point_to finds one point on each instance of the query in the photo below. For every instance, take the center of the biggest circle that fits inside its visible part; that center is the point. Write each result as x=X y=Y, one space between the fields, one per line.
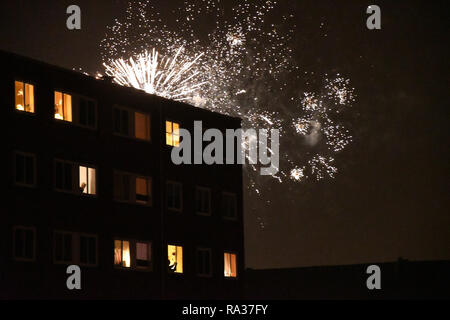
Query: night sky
x=390 y=198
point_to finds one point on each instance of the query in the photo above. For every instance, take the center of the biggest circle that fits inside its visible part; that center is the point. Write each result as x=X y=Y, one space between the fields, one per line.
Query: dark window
x=25 y=169
x=63 y=247
x=174 y=196
x=87 y=113
x=229 y=205
x=203 y=201
x=121 y=122
x=64 y=173
x=204 y=262
x=88 y=250
x=24 y=243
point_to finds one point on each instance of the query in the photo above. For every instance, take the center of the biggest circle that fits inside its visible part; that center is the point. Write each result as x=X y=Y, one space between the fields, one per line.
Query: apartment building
x=88 y=180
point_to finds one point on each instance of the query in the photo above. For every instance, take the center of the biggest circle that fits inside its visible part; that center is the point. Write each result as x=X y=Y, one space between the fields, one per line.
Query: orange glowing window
x=122 y=253
x=175 y=258
x=142 y=126
x=143 y=190
x=230 y=270
x=63 y=106
x=172 y=133
x=24 y=96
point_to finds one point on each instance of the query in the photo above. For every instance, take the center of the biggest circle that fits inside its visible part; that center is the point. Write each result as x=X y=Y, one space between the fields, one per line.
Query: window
x=87 y=180
x=132 y=124
x=24 y=243
x=122 y=253
x=204 y=262
x=133 y=254
x=88 y=250
x=174 y=196
x=132 y=188
x=25 y=169
x=143 y=254
x=230 y=270
x=229 y=206
x=24 y=96
x=73 y=247
x=172 y=133
x=63 y=247
x=75 y=108
x=87 y=112
x=63 y=106
x=175 y=258
x=141 y=126
x=74 y=178
x=203 y=201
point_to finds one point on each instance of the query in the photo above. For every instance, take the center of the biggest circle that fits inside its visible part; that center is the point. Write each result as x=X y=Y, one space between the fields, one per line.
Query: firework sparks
x=234 y=69
x=169 y=77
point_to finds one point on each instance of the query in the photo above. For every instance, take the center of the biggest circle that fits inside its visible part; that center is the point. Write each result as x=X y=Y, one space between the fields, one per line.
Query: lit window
x=87 y=180
x=122 y=253
x=229 y=206
x=174 y=196
x=63 y=106
x=143 y=254
x=132 y=124
x=88 y=250
x=141 y=126
x=175 y=258
x=24 y=94
x=24 y=169
x=230 y=270
x=172 y=133
x=63 y=246
x=143 y=190
x=203 y=201
x=132 y=188
x=204 y=262
x=74 y=178
x=24 y=244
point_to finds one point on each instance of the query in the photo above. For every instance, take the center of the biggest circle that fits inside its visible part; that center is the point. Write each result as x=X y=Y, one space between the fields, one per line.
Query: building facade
x=89 y=181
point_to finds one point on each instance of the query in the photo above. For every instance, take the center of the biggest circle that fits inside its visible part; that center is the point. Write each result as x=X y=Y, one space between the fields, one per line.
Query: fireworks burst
x=241 y=67
x=168 y=77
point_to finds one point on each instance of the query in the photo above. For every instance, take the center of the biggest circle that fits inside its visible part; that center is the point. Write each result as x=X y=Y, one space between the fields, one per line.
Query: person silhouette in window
x=173 y=263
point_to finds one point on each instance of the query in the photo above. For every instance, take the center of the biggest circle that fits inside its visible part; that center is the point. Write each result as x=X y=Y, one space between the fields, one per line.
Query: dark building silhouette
x=88 y=180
